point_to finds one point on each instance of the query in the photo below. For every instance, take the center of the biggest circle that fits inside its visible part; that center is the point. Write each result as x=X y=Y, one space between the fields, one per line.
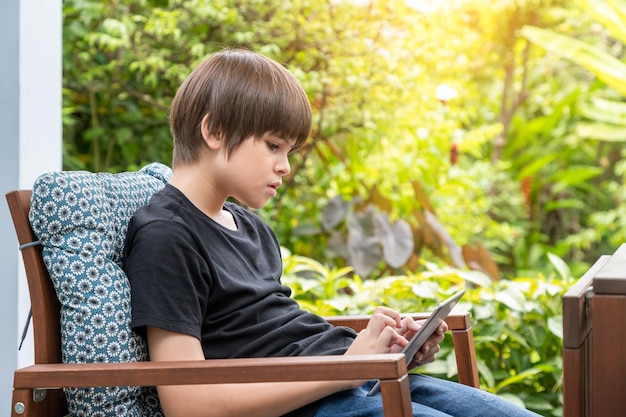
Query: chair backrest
x=45 y=306
x=71 y=228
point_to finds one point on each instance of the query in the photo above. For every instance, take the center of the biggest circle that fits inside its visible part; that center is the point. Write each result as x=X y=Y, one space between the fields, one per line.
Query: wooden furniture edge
x=213 y=371
x=575 y=325
x=455 y=321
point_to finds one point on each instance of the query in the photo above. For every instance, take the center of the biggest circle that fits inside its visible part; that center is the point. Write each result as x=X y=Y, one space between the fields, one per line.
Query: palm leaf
x=610 y=13
x=606 y=67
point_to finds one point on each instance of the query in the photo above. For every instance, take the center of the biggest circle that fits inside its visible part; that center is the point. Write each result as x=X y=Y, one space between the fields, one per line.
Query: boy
x=205 y=273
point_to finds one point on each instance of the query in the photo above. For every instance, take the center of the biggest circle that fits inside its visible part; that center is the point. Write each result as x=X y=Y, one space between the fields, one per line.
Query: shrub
x=517 y=322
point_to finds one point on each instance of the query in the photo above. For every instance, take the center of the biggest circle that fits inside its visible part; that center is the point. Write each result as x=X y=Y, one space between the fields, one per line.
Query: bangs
x=288 y=116
x=243 y=94
x=260 y=96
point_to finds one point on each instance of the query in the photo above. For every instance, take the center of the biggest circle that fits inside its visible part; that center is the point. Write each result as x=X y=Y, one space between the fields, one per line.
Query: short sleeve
x=169 y=280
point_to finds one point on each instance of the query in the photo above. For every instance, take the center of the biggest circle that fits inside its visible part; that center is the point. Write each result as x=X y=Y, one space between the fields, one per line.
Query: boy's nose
x=283 y=168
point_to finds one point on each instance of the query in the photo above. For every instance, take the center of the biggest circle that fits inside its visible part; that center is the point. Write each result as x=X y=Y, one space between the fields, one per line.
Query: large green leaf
x=606 y=67
x=602 y=110
x=610 y=13
x=601 y=131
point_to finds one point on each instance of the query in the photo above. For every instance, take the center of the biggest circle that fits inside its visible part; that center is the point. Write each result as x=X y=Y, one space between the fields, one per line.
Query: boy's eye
x=272 y=146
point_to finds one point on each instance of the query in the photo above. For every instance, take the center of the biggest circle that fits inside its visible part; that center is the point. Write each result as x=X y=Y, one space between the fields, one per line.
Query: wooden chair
x=594 y=340
x=37 y=389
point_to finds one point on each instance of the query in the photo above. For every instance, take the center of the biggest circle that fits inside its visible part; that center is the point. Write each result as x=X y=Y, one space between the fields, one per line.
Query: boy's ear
x=212 y=140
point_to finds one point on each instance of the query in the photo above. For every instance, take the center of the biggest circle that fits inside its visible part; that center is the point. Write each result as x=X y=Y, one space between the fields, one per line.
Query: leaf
x=364 y=254
x=537 y=165
x=363 y=249
x=555 y=325
x=574 y=176
x=337 y=245
x=619 y=7
x=511 y=298
x=478 y=258
x=334 y=212
x=486 y=373
x=567 y=203
x=425 y=290
x=527 y=374
x=606 y=67
x=421 y=196
x=306 y=230
x=476 y=278
x=512 y=398
x=601 y=131
x=438 y=367
x=396 y=240
x=610 y=13
x=377 y=199
x=452 y=366
x=561 y=267
x=453 y=248
x=425 y=235
x=602 y=110
x=516 y=336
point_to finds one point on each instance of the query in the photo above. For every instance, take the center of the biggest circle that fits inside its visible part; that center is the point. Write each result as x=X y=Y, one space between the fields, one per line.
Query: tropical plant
x=609 y=116
x=600 y=125
x=374 y=72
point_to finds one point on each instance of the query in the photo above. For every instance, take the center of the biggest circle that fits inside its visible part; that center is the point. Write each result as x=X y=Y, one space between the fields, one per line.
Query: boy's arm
x=258 y=399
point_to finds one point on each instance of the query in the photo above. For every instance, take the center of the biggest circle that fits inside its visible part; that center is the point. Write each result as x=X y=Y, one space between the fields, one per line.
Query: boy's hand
x=428 y=351
x=388 y=332
x=383 y=334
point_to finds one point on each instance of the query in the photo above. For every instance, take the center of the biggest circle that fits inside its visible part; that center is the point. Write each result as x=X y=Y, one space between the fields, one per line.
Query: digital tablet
x=427 y=329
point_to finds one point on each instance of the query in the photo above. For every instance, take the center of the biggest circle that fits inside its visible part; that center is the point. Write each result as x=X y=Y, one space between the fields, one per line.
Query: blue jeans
x=431 y=397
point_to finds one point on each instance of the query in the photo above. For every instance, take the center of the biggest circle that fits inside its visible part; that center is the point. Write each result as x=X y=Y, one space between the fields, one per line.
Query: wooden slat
x=300 y=368
x=465 y=354
x=608 y=352
x=44 y=303
x=396 y=399
x=576 y=324
x=611 y=279
x=455 y=321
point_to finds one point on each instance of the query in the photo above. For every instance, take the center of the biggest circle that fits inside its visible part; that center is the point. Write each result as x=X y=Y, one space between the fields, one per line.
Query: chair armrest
x=455 y=321
x=215 y=371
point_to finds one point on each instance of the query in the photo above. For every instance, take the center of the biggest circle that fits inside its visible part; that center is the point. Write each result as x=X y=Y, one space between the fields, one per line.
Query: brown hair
x=244 y=94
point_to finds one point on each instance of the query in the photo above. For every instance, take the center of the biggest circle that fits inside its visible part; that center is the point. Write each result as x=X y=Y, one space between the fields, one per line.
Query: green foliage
x=590 y=134
x=517 y=323
x=372 y=72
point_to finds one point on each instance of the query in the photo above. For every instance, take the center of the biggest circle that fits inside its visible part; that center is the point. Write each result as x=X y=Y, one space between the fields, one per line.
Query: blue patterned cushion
x=81 y=219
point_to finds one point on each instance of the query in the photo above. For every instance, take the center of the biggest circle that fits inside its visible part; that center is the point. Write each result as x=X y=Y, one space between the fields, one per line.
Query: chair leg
x=24 y=404
x=466 y=357
x=396 y=397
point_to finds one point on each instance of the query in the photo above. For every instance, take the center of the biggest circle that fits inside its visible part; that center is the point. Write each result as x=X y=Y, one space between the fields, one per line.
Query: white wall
x=30 y=135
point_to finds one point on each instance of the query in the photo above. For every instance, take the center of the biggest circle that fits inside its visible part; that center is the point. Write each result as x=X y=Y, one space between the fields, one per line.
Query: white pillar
x=30 y=135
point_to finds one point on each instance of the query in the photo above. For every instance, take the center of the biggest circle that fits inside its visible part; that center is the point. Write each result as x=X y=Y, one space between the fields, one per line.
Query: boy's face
x=254 y=170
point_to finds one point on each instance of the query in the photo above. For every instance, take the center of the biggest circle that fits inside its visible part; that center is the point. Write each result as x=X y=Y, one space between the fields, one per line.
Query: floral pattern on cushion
x=81 y=219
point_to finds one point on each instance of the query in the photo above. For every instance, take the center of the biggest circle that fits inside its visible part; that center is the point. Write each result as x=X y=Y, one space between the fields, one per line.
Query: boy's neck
x=201 y=191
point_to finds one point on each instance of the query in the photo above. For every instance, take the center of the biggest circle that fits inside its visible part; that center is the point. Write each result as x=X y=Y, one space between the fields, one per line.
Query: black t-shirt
x=189 y=274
